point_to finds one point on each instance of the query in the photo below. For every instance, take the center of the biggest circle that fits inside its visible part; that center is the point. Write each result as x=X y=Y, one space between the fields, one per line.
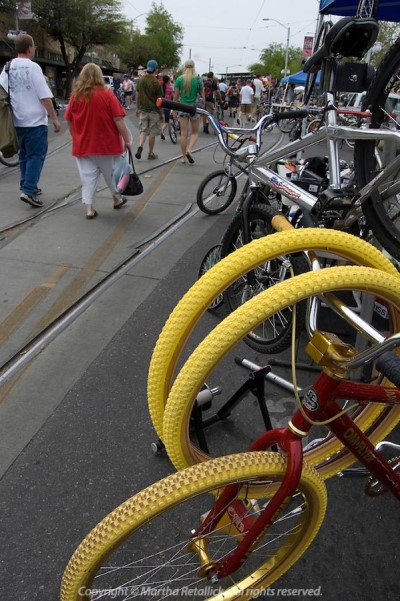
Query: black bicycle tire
x=10 y=162
x=173 y=134
x=379 y=221
x=314 y=125
x=229 y=200
x=286 y=125
x=228 y=244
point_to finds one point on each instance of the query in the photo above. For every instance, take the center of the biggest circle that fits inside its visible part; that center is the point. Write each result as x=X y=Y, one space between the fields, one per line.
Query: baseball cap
x=152 y=65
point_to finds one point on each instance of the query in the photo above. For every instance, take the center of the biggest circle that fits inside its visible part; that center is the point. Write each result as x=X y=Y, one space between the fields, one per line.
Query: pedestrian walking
x=168 y=94
x=258 y=92
x=211 y=95
x=186 y=88
x=246 y=102
x=233 y=93
x=127 y=91
x=96 y=122
x=148 y=89
x=31 y=101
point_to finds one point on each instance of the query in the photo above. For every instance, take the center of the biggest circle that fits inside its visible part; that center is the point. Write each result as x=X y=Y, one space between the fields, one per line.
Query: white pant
x=90 y=168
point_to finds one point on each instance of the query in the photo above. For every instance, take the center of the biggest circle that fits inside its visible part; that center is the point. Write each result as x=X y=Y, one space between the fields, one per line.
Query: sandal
x=121 y=204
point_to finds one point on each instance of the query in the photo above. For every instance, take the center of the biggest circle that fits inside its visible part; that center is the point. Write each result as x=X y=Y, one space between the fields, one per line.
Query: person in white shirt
x=127 y=90
x=246 y=103
x=31 y=101
x=258 y=92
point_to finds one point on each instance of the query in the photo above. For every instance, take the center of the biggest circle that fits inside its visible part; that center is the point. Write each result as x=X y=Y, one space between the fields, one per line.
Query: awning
x=299 y=78
x=388 y=10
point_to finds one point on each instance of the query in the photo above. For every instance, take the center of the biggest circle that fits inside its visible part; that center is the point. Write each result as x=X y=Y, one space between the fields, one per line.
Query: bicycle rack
x=254 y=384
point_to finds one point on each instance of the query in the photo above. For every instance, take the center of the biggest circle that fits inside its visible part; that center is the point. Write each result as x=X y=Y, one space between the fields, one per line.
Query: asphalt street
x=75 y=433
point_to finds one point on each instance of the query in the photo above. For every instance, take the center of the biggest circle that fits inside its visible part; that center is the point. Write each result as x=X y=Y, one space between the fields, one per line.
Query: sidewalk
x=61 y=255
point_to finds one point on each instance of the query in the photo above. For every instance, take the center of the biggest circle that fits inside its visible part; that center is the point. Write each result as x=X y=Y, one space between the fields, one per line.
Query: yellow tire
x=193 y=305
x=328 y=457
x=124 y=553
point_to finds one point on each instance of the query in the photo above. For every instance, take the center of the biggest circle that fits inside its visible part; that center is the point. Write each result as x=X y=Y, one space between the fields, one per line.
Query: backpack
x=208 y=92
x=234 y=92
x=8 y=136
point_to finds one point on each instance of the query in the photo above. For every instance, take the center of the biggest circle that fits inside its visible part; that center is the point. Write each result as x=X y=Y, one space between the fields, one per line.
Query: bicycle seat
x=348 y=37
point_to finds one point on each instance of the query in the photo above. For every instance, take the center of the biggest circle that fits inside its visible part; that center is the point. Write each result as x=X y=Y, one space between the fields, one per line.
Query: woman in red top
x=99 y=134
x=168 y=94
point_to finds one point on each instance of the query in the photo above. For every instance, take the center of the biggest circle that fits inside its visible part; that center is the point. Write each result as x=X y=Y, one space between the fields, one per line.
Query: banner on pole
x=308 y=45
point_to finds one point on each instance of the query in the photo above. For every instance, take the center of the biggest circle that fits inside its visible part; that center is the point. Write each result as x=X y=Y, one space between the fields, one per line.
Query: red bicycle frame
x=319 y=404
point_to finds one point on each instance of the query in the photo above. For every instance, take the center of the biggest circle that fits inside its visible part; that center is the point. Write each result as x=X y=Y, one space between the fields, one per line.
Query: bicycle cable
x=294 y=378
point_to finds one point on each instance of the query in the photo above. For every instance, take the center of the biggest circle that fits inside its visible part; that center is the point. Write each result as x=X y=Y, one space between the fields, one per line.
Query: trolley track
x=74 y=298
x=78 y=295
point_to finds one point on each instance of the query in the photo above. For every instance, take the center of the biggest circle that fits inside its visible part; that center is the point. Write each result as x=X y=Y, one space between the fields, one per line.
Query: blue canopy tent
x=299 y=78
x=388 y=10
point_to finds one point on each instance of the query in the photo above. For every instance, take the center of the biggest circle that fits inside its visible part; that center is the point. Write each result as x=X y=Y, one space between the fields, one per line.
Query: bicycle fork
x=248 y=521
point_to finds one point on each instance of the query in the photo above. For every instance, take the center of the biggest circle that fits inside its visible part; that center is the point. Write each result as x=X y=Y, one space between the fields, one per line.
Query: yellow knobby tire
x=130 y=525
x=232 y=329
x=193 y=305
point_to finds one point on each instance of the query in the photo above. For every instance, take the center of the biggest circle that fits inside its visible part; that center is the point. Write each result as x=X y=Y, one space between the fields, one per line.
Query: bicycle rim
x=124 y=553
x=226 y=334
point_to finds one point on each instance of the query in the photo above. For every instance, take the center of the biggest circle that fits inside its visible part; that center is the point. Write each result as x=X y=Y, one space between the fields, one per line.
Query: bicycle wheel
x=274 y=335
x=216 y=192
x=143 y=547
x=286 y=125
x=193 y=305
x=172 y=131
x=382 y=208
x=329 y=455
x=10 y=162
x=314 y=125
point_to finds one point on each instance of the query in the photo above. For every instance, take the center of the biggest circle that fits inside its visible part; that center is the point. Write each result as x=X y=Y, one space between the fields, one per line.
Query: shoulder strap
x=7 y=70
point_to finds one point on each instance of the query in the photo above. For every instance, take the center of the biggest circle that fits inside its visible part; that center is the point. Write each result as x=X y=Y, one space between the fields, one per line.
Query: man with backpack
x=211 y=94
x=233 y=93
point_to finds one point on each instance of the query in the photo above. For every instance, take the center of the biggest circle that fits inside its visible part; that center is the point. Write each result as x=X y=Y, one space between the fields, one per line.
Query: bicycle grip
x=295 y=114
x=176 y=106
x=389 y=365
x=280 y=223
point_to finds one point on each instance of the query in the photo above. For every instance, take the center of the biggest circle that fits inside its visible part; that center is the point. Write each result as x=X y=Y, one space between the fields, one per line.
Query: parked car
x=356 y=101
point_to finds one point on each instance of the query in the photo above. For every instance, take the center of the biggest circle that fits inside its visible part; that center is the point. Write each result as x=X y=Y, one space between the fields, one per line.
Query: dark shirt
x=148 y=89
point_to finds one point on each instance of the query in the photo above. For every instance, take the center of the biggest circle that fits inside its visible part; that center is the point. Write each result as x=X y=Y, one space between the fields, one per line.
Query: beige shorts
x=245 y=109
x=210 y=107
x=150 y=123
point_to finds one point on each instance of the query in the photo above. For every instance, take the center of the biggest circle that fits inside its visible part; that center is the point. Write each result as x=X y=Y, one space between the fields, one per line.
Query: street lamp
x=287 y=42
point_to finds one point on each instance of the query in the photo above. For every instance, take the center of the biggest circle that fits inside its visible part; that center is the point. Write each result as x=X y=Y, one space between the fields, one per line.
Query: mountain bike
x=229 y=527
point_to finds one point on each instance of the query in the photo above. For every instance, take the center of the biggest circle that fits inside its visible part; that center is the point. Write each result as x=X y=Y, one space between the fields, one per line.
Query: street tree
x=79 y=25
x=136 y=49
x=272 y=60
x=166 y=34
x=388 y=34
